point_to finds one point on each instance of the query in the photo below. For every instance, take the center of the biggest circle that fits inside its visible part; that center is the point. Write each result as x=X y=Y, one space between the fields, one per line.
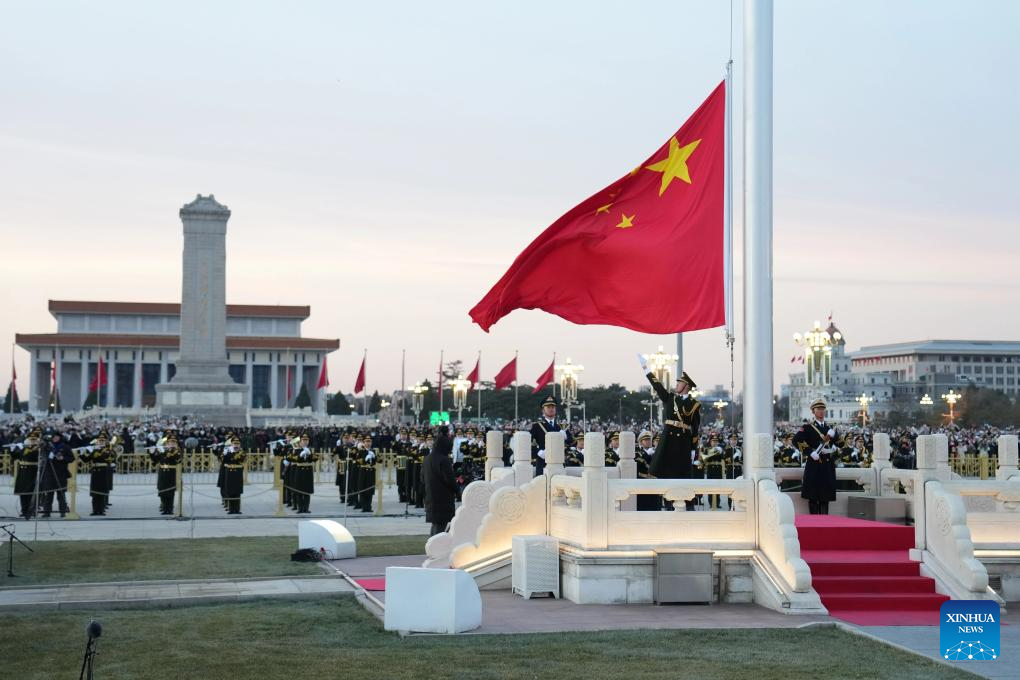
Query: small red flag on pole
x=359 y=383
x=473 y=375
x=546 y=378
x=323 y=377
x=507 y=375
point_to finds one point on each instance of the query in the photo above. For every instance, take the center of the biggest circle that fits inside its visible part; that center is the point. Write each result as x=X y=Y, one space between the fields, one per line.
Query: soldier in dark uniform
x=613 y=450
x=547 y=423
x=401 y=448
x=100 y=456
x=817 y=444
x=342 y=455
x=367 y=459
x=574 y=455
x=643 y=461
x=682 y=420
x=304 y=474
x=734 y=457
x=166 y=456
x=55 y=475
x=234 y=459
x=712 y=461
x=26 y=455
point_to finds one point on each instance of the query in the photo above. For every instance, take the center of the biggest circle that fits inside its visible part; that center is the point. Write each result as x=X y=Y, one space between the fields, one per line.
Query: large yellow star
x=675 y=164
x=626 y=222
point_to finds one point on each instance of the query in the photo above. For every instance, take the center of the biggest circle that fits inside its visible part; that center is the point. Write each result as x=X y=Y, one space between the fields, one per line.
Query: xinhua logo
x=969 y=630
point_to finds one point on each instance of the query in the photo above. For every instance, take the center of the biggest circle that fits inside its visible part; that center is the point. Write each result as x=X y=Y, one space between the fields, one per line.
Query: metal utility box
x=683 y=576
x=890 y=509
x=535 y=565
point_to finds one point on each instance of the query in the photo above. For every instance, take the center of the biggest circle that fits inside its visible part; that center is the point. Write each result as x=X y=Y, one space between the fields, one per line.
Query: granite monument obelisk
x=202 y=386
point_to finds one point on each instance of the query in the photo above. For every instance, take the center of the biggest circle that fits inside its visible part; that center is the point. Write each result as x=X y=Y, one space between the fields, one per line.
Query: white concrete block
x=422 y=600
x=325 y=533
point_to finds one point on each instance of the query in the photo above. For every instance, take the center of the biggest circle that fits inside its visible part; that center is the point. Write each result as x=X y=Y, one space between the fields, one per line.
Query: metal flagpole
x=515 y=388
x=758 y=20
x=440 y=381
x=403 y=385
x=364 y=388
x=478 y=388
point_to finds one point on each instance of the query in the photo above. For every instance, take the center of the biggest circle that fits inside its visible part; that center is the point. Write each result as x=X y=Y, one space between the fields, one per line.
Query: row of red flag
x=506 y=376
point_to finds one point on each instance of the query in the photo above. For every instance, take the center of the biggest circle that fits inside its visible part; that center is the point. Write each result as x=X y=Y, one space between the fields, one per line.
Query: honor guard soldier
x=712 y=461
x=26 y=456
x=367 y=476
x=817 y=443
x=234 y=459
x=402 y=447
x=166 y=456
x=642 y=459
x=734 y=457
x=682 y=420
x=574 y=455
x=100 y=456
x=547 y=423
x=613 y=450
x=419 y=483
x=343 y=453
x=304 y=474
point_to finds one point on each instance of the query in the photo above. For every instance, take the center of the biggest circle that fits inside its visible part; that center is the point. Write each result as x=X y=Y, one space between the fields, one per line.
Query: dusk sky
x=385 y=163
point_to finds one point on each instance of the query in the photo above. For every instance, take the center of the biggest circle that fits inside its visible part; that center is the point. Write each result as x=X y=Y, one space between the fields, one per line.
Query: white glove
x=815 y=457
x=286 y=463
x=831 y=433
x=644 y=364
x=52 y=456
x=305 y=453
x=541 y=454
x=370 y=458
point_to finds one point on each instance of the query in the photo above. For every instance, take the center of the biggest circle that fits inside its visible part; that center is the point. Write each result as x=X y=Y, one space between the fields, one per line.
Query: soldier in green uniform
x=712 y=461
x=643 y=459
x=613 y=450
x=574 y=455
x=166 y=456
x=304 y=474
x=682 y=418
x=100 y=456
x=234 y=459
x=367 y=459
x=26 y=458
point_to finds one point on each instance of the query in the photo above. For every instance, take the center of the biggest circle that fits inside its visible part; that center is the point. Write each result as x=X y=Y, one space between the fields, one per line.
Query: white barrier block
x=420 y=600
x=325 y=533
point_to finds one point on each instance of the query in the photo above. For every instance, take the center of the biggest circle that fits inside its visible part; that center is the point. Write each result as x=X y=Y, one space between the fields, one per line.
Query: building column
x=111 y=381
x=163 y=370
x=32 y=385
x=83 y=388
x=274 y=378
x=300 y=371
x=59 y=373
x=248 y=375
x=136 y=390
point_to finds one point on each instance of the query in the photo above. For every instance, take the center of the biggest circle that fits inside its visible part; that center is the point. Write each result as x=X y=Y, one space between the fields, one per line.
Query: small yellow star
x=603 y=209
x=626 y=222
x=675 y=164
x=635 y=171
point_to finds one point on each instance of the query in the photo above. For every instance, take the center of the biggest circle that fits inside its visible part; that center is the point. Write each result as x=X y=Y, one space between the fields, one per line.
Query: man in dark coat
x=440 y=484
x=55 y=475
x=817 y=444
x=547 y=423
x=682 y=420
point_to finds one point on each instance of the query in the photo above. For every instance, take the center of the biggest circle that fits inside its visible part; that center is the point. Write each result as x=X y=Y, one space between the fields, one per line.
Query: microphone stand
x=86 y=662
x=11 y=538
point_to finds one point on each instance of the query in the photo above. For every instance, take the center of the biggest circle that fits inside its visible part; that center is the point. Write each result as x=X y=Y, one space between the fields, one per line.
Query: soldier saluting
x=682 y=420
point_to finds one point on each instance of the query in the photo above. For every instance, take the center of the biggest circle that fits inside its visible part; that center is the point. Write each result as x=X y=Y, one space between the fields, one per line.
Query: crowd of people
x=44 y=448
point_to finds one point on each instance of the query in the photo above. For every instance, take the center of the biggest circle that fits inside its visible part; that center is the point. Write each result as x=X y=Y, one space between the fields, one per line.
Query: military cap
x=818 y=403
x=686 y=379
x=645 y=434
x=549 y=401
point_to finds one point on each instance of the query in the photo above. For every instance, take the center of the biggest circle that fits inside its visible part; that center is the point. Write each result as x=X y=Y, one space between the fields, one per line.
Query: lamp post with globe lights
x=569 y=373
x=417 y=400
x=951 y=398
x=719 y=405
x=864 y=400
x=660 y=364
x=817 y=344
x=460 y=388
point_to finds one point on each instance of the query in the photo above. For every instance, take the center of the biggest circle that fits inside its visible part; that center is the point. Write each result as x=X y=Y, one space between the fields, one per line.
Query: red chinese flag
x=545 y=378
x=100 y=377
x=323 y=377
x=473 y=375
x=359 y=384
x=507 y=375
x=645 y=253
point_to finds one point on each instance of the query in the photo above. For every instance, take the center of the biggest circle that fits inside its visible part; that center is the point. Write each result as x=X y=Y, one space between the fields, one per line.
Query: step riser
x=883 y=603
x=852 y=569
x=879 y=586
x=872 y=539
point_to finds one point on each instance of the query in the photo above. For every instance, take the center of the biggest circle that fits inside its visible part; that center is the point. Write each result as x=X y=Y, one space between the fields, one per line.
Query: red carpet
x=863 y=572
x=373 y=584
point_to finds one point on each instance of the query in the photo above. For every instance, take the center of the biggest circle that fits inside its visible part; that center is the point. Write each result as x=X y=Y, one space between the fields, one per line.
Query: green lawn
x=166 y=559
x=335 y=638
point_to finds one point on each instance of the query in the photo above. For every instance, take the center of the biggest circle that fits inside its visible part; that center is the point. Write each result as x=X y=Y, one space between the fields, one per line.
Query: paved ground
x=142 y=594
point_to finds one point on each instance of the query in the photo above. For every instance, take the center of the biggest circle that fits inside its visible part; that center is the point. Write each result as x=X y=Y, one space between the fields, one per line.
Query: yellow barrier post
x=279 y=486
x=378 y=489
x=180 y=491
x=983 y=465
x=72 y=491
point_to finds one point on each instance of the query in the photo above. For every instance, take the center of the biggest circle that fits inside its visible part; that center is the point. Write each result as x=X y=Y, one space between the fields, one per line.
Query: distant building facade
x=138 y=342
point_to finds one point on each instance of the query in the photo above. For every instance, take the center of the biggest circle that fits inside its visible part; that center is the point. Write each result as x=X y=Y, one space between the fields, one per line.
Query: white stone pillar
x=627 y=466
x=927 y=469
x=524 y=472
x=493 y=452
x=111 y=381
x=83 y=387
x=942 y=471
x=249 y=375
x=595 y=515
x=33 y=386
x=881 y=451
x=554 y=443
x=58 y=364
x=1007 y=457
x=164 y=369
x=136 y=391
x=299 y=375
x=759 y=458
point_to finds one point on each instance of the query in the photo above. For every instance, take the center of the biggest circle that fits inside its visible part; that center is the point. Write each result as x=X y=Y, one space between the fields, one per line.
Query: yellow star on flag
x=626 y=222
x=603 y=208
x=675 y=164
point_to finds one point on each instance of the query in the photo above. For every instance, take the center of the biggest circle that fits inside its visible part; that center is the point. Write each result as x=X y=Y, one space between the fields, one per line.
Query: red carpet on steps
x=372 y=584
x=863 y=572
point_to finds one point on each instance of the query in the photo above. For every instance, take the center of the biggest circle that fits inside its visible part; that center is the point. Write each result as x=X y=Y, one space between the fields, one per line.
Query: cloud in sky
x=385 y=163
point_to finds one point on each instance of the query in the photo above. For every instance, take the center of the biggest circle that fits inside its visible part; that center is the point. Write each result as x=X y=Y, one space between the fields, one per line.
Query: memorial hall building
x=138 y=343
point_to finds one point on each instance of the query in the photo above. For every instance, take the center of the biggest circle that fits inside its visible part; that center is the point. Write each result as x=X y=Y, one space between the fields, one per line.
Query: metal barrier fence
x=974 y=466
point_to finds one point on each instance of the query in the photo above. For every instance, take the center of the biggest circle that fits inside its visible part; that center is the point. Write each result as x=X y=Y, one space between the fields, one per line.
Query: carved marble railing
x=992 y=511
x=777 y=537
x=513 y=511
x=949 y=552
x=475 y=500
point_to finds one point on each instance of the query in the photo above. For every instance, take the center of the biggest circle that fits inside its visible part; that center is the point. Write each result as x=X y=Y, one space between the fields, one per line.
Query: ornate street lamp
x=951 y=399
x=817 y=344
x=661 y=366
x=569 y=373
x=720 y=404
x=417 y=399
x=864 y=400
x=926 y=401
x=460 y=388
